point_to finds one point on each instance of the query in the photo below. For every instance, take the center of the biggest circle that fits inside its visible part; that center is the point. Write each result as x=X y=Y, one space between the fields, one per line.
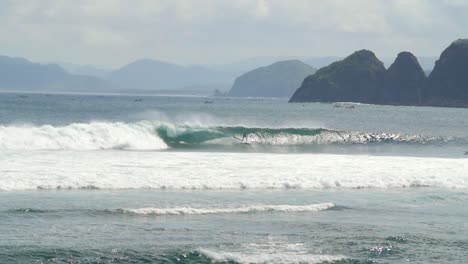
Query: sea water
x=159 y=179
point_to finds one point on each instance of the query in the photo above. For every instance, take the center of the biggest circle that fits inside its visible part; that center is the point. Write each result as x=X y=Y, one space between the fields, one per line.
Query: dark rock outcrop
x=357 y=78
x=361 y=77
x=403 y=81
x=279 y=80
x=447 y=84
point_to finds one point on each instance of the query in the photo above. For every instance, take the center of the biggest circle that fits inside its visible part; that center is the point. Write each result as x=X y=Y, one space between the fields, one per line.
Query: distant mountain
x=18 y=74
x=88 y=70
x=357 y=78
x=144 y=76
x=153 y=75
x=279 y=79
x=242 y=66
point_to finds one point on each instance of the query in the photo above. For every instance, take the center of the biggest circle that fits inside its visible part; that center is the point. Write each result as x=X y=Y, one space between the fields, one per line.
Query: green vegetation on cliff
x=354 y=79
x=404 y=81
x=448 y=82
x=361 y=77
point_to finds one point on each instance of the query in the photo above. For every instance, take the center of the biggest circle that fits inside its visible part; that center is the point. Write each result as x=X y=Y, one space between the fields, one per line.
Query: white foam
x=269 y=257
x=81 y=136
x=236 y=210
x=28 y=170
x=329 y=136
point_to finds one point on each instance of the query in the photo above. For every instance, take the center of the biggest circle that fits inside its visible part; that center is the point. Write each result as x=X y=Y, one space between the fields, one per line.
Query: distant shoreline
x=209 y=96
x=100 y=93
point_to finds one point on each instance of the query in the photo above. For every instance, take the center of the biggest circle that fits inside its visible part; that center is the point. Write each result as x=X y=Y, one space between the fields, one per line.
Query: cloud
x=114 y=32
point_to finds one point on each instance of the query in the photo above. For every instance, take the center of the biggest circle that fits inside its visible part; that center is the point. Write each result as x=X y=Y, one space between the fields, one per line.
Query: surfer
x=244 y=137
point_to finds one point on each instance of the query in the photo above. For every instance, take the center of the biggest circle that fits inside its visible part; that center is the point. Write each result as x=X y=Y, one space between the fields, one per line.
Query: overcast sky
x=110 y=33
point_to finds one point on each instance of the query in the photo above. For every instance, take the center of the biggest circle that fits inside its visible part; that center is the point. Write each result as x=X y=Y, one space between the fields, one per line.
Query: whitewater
x=213 y=171
x=99 y=178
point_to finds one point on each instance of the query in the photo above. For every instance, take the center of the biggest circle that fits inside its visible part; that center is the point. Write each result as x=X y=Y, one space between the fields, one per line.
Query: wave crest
x=236 y=210
x=82 y=136
x=176 y=136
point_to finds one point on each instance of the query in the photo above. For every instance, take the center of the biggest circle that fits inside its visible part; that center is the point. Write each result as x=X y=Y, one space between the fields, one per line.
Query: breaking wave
x=235 y=210
x=248 y=209
x=145 y=135
x=176 y=136
x=82 y=136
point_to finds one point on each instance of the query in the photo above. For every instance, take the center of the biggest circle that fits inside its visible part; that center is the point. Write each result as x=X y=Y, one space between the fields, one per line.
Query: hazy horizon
x=253 y=59
x=110 y=34
x=219 y=146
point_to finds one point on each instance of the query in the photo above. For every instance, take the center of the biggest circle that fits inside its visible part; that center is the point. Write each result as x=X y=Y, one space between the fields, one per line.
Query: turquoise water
x=116 y=179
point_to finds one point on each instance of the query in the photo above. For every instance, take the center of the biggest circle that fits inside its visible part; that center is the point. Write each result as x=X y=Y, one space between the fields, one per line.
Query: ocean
x=169 y=179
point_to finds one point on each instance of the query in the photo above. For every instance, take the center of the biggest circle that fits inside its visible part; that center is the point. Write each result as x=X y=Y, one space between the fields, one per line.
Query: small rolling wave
x=29 y=210
x=42 y=254
x=250 y=209
x=235 y=210
x=268 y=257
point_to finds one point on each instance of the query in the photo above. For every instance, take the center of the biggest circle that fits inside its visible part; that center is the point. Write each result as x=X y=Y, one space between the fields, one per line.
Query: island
x=362 y=77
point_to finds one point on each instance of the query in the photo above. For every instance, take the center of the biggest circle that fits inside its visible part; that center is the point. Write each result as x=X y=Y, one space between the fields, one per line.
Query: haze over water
x=121 y=140
x=90 y=178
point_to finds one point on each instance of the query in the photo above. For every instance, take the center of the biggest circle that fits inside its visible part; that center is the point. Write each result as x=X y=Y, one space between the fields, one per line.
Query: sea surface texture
x=156 y=179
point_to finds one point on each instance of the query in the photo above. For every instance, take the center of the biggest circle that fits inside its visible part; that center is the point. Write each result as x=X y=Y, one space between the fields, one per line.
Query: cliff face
x=280 y=79
x=357 y=78
x=448 y=82
x=403 y=81
x=361 y=77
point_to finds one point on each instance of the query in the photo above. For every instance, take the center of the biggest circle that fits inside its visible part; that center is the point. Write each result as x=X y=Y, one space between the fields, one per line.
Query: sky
x=111 y=33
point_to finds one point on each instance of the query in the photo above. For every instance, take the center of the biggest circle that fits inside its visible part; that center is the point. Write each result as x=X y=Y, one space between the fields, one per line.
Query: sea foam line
x=114 y=170
x=269 y=257
x=235 y=210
